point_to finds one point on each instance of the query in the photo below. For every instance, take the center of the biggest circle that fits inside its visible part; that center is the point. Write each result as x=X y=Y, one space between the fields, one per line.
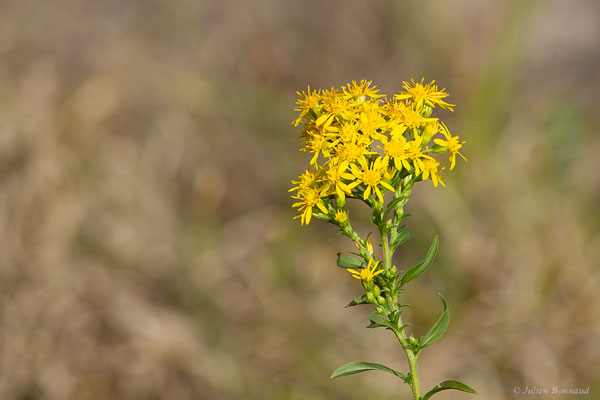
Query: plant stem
x=412 y=361
x=387 y=256
x=400 y=334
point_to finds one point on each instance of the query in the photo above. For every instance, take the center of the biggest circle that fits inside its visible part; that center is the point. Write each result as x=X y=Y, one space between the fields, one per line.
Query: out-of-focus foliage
x=147 y=248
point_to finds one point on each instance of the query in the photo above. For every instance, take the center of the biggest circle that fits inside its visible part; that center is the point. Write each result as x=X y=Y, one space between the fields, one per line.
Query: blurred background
x=147 y=248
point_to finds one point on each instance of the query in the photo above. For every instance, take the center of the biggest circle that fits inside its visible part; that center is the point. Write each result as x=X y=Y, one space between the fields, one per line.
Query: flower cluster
x=363 y=144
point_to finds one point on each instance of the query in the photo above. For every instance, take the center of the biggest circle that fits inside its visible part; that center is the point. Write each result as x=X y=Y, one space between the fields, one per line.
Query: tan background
x=147 y=249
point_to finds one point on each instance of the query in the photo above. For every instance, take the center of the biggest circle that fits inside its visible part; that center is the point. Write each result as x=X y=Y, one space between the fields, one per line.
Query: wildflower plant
x=366 y=147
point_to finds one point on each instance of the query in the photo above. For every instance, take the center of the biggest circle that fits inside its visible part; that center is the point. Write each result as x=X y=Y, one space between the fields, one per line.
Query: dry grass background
x=146 y=243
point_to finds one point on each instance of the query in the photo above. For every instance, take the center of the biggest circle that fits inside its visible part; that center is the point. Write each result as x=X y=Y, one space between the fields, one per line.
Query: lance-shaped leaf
x=446 y=385
x=440 y=326
x=355 y=367
x=402 y=236
x=362 y=299
x=421 y=267
x=379 y=320
x=346 y=261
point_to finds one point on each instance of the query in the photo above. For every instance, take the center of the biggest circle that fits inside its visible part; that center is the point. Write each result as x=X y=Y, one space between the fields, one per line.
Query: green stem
x=412 y=361
x=400 y=334
x=387 y=256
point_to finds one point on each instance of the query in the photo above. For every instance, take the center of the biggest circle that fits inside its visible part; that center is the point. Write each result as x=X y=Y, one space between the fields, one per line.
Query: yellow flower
x=352 y=151
x=431 y=167
x=371 y=176
x=430 y=130
x=333 y=183
x=370 y=122
x=334 y=104
x=406 y=115
x=307 y=101
x=366 y=274
x=341 y=217
x=309 y=198
x=304 y=181
x=319 y=142
x=452 y=143
x=396 y=148
x=348 y=133
x=428 y=94
x=358 y=91
x=414 y=152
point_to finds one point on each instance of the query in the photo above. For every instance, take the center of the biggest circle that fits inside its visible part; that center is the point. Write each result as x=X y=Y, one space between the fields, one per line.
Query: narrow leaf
x=403 y=235
x=378 y=320
x=357 y=301
x=346 y=261
x=421 y=267
x=446 y=385
x=355 y=367
x=440 y=326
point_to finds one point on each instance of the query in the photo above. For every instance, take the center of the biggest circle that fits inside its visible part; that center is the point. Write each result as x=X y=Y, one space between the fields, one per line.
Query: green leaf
x=402 y=236
x=446 y=385
x=391 y=205
x=440 y=326
x=421 y=267
x=355 y=367
x=346 y=261
x=362 y=299
x=379 y=320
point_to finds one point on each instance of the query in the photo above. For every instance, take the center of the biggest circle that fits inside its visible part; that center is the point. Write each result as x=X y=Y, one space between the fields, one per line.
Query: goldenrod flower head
x=371 y=176
x=352 y=151
x=348 y=133
x=319 y=143
x=370 y=122
x=308 y=101
x=452 y=144
x=366 y=274
x=396 y=148
x=414 y=150
x=335 y=104
x=430 y=130
x=341 y=217
x=306 y=180
x=360 y=90
x=431 y=169
x=360 y=144
x=334 y=175
x=309 y=198
x=369 y=246
x=424 y=94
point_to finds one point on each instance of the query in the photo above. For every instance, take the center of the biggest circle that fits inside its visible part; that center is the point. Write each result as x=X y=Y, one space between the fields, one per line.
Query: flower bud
x=341 y=203
x=430 y=129
x=381 y=300
x=376 y=290
x=369 y=247
x=426 y=110
x=370 y=298
x=412 y=340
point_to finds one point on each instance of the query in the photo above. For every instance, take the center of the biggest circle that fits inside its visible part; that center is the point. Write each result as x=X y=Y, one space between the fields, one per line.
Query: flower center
x=412 y=119
x=350 y=152
x=394 y=148
x=371 y=177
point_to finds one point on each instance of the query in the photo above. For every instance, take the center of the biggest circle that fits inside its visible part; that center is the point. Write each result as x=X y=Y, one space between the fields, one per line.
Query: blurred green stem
x=392 y=306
